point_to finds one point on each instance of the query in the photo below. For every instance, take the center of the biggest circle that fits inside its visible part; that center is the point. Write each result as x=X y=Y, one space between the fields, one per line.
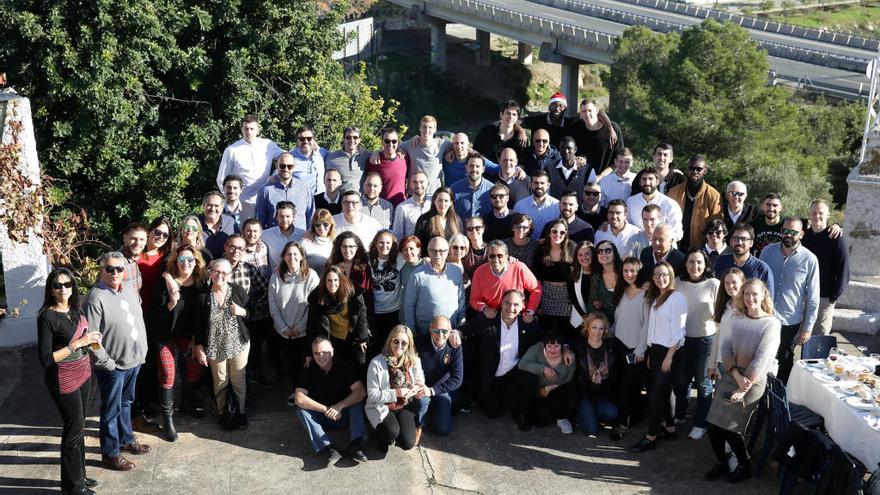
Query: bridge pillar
x=524 y=53
x=438 y=44
x=483 y=51
x=570 y=82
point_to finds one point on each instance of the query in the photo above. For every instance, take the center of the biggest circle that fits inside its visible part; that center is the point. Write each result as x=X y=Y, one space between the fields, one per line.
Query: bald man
x=661 y=249
x=455 y=162
x=443 y=365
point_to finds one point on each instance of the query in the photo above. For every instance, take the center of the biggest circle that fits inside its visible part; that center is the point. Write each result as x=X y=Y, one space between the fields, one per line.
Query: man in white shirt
x=539 y=205
x=670 y=212
x=278 y=236
x=309 y=160
x=249 y=158
x=352 y=219
x=619 y=184
x=618 y=230
x=406 y=213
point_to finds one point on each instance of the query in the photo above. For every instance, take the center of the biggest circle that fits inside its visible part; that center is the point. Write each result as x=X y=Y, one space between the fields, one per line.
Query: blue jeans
x=315 y=423
x=117 y=394
x=589 y=414
x=441 y=413
x=694 y=357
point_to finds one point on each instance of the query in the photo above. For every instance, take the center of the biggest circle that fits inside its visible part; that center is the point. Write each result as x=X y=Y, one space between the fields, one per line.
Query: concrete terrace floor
x=273 y=456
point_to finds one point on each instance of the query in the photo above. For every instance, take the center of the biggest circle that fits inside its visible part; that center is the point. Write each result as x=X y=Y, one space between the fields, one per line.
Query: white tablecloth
x=845 y=424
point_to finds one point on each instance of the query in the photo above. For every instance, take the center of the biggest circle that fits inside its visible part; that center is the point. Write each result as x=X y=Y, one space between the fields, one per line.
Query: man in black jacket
x=660 y=250
x=735 y=209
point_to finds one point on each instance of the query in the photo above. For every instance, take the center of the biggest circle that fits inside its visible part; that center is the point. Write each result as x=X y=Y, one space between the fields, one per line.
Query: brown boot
x=418 y=435
x=117 y=463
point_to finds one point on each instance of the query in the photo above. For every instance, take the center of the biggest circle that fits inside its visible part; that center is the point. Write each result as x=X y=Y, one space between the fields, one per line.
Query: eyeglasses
x=186 y=259
x=741 y=238
x=236 y=248
x=459 y=248
x=473 y=228
x=498 y=196
x=522 y=227
x=220 y=273
x=352 y=137
x=496 y=256
x=305 y=138
x=288 y=166
x=350 y=203
x=558 y=232
x=111 y=269
x=62 y=285
x=592 y=193
x=389 y=141
x=160 y=233
x=790 y=232
x=400 y=342
x=605 y=251
x=738 y=194
x=439 y=331
x=190 y=228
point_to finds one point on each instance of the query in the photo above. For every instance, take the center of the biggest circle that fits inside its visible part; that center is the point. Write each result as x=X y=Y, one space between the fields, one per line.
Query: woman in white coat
x=394 y=381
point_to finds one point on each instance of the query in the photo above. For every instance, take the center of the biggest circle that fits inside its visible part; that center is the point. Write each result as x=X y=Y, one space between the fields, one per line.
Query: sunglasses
x=696 y=169
x=473 y=228
x=399 y=342
x=161 y=233
x=389 y=141
x=558 y=232
x=326 y=225
x=716 y=232
x=497 y=196
x=541 y=140
x=305 y=138
x=439 y=331
x=111 y=269
x=738 y=194
x=605 y=251
x=283 y=166
x=186 y=259
x=190 y=228
x=62 y=285
x=591 y=193
x=790 y=232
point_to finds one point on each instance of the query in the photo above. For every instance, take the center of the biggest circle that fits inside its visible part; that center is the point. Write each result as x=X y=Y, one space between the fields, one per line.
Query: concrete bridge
x=572 y=32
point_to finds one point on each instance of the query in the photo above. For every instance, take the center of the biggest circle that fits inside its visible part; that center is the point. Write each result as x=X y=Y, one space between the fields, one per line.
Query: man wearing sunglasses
x=796 y=296
x=250 y=158
x=114 y=309
x=542 y=155
x=391 y=166
x=443 y=366
x=699 y=203
x=350 y=161
x=285 y=187
x=591 y=210
x=498 y=222
x=309 y=160
x=553 y=122
x=735 y=209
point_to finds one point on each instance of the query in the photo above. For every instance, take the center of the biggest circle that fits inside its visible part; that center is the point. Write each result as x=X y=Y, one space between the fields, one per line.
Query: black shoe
x=717 y=472
x=616 y=434
x=382 y=447
x=522 y=422
x=644 y=445
x=357 y=454
x=82 y=491
x=242 y=422
x=91 y=483
x=333 y=455
x=667 y=435
x=741 y=473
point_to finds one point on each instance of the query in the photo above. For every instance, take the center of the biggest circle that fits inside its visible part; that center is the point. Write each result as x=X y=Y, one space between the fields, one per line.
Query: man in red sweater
x=502 y=273
x=392 y=167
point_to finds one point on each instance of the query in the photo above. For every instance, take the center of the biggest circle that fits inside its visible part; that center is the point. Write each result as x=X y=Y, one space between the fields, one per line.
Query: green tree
x=134 y=100
x=705 y=90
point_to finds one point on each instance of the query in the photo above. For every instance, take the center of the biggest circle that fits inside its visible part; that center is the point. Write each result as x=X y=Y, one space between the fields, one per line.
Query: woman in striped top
x=63 y=346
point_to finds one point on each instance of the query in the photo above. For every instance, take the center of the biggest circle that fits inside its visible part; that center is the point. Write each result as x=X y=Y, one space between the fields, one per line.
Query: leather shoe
x=137 y=448
x=667 y=435
x=118 y=463
x=522 y=422
x=82 y=491
x=741 y=473
x=717 y=472
x=91 y=483
x=644 y=445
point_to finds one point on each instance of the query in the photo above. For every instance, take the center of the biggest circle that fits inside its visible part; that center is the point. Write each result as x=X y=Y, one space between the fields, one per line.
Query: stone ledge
x=856 y=321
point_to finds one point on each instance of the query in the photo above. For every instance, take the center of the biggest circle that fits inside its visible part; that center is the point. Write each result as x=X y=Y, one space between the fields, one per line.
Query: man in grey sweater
x=114 y=309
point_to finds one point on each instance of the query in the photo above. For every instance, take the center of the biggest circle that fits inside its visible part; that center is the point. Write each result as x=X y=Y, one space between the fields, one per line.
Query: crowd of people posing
x=534 y=275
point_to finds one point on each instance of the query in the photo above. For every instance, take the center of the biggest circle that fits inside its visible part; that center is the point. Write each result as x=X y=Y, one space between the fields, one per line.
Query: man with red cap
x=554 y=121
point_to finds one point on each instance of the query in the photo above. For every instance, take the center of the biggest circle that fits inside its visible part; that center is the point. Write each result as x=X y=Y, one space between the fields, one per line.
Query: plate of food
x=861 y=403
x=824 y=376
x=852 y=388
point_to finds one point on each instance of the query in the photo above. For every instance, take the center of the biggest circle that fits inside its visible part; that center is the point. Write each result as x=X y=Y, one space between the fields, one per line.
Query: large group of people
x=533 y=274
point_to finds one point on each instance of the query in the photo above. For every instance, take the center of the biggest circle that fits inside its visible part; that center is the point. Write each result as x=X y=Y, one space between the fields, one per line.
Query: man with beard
x=699 y=203
x=542 y=155
x=670 y=212
x=216 y=225
x=565 y=175
x=768 y=226
x=618 y=230
x=308 y=160
x=498 y=222
x=553 y=122
x=407 y=213
x=540 y=206
x=796 y=295
x=578 y=229
x=350 y=161
x=373 y=205
x=740 y=256
x=471 y=194
x=134 y=240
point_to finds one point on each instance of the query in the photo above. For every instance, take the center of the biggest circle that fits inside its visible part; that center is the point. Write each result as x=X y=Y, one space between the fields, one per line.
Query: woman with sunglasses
x=666 y=321
x=552 y=266
x=394 y=382
x=317 y=243
x=222 y=341
x=337 y=311
x=350 y=256
x=177 y=313
x=153 y=259
x=458 y=251
x=521 y=245
x=441 y=220
x=63 y=345
x=289 y=290
x=386 y=288
x=746 y=357
x=190 y=233
x=699 y=289
x=606 y=280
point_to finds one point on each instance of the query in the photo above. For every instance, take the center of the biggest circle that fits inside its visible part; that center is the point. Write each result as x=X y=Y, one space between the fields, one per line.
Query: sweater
x=722 y=333
x=120 y=319
x=393 y=174
x=317 y=250
x=429 y=294
x=443 y=368
x=752 y=345
x=630 y=319
x=487 y=287
x=700 y=298
x=288 y=300
x=833 y=256
x=534 y=362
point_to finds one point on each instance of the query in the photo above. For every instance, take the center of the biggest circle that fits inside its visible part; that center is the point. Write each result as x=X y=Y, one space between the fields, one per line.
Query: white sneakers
x=697 y=433
x=564 y=426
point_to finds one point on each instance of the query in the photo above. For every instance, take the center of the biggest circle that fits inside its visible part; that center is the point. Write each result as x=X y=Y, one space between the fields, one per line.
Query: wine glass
x=863 y=349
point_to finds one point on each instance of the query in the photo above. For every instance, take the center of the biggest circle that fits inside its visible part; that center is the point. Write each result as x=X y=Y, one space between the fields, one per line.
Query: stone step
x=856 y=321
x=861 y=295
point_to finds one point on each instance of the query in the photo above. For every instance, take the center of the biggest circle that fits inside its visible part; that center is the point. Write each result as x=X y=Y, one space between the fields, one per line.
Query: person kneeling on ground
x=598 y=377
x=444 y=368
x=554 y=397
x=327 y=395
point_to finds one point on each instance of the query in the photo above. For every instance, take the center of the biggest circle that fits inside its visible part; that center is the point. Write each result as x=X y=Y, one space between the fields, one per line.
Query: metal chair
x=818 y=347
x=780 y=414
